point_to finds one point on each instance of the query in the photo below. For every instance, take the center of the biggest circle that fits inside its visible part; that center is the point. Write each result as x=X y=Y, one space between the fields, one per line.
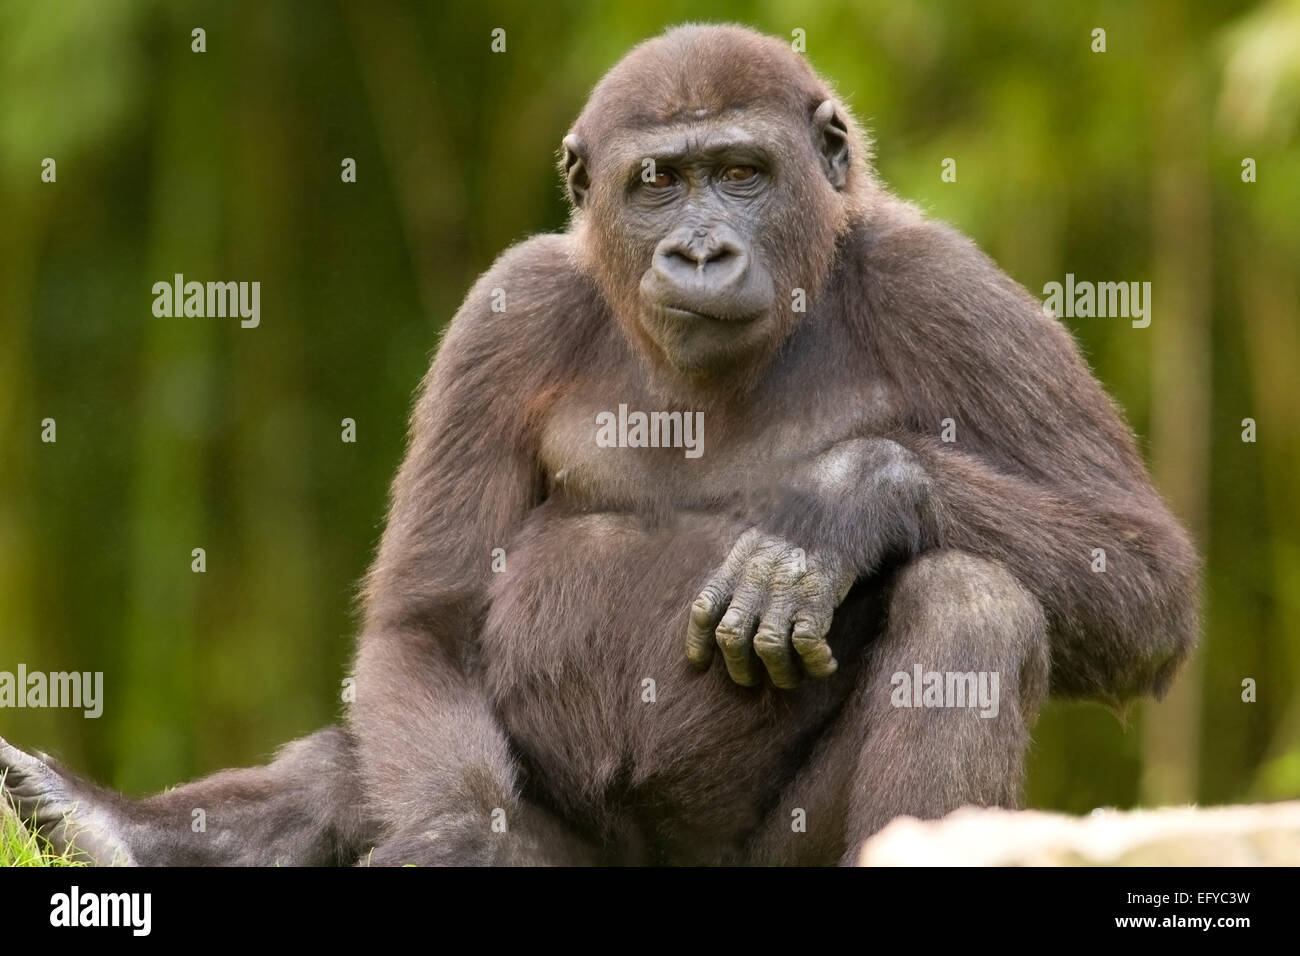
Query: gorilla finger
x=735 y=637
x=711 y=603
x=773 y=647
x=774 y=650
x=706 y=612
x=738 y=654
x=810 y=643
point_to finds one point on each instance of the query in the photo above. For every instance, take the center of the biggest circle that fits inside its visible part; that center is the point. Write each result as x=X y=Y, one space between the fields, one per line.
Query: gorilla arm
x=434 y=761
x=1042 y=473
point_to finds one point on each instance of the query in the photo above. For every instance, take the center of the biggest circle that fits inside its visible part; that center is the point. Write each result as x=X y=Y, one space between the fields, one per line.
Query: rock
x=1253 y=835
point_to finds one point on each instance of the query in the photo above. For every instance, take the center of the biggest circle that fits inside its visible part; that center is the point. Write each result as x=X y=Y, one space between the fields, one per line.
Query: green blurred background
x=182 y=433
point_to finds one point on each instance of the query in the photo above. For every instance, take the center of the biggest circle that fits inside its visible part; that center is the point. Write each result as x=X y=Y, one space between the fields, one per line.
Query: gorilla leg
x=952 y=614
x=303 y=809
x=535 y=837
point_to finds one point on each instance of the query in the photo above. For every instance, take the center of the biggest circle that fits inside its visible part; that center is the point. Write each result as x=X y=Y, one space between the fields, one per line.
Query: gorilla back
x=577 y=650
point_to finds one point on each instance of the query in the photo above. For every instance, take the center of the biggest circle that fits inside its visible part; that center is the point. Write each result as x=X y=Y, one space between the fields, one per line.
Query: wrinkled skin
x=771 y=602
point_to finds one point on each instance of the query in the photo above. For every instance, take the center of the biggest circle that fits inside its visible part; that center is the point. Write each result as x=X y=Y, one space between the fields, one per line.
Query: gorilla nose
x=702 y=260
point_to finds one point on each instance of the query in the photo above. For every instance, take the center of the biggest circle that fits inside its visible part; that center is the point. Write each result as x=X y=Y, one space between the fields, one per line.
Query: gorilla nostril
x=680 y=256
x=701 y=257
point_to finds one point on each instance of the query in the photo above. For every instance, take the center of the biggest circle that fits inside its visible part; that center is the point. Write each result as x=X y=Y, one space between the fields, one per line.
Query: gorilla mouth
x=679 y=314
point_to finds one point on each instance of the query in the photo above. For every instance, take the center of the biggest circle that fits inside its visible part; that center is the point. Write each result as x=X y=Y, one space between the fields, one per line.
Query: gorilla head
x=711 y=173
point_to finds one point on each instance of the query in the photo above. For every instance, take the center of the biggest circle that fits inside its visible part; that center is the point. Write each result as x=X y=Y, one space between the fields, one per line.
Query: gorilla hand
x=770 y=603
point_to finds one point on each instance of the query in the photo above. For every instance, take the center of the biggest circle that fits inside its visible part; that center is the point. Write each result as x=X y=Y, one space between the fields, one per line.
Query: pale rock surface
x=1252 y=835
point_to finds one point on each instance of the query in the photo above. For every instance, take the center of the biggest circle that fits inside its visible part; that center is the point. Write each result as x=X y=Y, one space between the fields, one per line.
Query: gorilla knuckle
x=807 y=644
x=703 y=610
x=812 y=589
x=730 y=637
x=812 y=624
x=746 y=543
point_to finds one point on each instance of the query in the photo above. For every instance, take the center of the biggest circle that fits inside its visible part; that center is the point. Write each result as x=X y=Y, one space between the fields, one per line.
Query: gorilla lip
x=673 y=312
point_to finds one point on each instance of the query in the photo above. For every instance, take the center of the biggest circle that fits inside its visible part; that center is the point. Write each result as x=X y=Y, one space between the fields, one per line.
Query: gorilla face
x=695 y=215
x=709 y=221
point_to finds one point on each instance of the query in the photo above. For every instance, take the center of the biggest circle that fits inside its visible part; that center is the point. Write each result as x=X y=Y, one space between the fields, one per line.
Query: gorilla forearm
x=1119 y=632
x=863 y=500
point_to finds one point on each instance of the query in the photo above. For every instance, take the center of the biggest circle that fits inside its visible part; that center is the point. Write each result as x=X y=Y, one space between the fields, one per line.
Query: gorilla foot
x=62 y=809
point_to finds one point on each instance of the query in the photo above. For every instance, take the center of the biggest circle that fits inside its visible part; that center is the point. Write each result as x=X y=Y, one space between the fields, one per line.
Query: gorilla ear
x=833 y=141
x=575 y=170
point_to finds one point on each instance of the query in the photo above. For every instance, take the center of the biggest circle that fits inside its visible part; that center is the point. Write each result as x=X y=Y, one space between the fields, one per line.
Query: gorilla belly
x=583 y=656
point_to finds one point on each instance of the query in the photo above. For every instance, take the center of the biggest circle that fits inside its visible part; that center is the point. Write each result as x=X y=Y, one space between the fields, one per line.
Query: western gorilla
x=579 y=653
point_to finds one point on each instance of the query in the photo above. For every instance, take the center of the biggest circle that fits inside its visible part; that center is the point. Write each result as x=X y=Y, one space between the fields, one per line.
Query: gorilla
x=589 y=643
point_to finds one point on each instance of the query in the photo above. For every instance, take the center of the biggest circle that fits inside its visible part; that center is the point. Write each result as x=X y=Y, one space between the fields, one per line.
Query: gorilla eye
x=661 y=181
x=738 y=174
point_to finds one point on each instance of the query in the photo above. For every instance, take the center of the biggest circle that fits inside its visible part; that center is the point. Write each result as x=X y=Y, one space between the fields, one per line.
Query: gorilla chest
x=637 y=455
x=583 y=650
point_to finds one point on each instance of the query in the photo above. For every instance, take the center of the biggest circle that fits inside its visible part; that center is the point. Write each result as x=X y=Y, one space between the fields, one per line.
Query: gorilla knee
x=962 y=612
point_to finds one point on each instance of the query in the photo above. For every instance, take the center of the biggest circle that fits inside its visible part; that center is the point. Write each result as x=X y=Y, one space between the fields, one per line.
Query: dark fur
x=522 y=691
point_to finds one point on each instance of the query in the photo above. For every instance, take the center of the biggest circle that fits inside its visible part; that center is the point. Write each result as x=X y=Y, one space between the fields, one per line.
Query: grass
x=20 y=847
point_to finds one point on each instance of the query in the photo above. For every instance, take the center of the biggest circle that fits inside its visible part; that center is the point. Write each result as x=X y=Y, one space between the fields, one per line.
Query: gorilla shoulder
x=922 y=275
x=535 y=287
